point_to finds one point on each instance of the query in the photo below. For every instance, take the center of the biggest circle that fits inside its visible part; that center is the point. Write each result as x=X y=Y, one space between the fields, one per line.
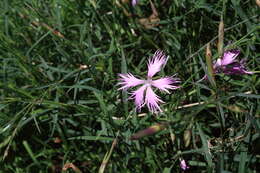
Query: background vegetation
x=60 y=107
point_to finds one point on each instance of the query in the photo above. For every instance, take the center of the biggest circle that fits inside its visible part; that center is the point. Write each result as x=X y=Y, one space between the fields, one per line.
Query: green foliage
x=59 y=101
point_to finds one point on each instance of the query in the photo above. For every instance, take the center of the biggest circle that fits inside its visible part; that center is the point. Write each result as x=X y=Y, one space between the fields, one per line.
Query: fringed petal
x=138 y=96
x=152 y=100
x=229 y=57
x=128 y=80
x=166 y=83
x=155 y=63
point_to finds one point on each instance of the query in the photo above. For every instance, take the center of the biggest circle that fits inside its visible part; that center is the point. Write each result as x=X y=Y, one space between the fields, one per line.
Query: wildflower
x=145 y=95
x=134 y=2
x=229 y=65
x=183 y=165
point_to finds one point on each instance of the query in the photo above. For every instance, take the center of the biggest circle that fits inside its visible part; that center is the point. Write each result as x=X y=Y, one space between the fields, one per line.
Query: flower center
x=149 y=82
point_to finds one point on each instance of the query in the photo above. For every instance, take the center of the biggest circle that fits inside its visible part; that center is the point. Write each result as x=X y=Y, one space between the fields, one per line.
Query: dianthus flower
x=229 y=65
x=145 y=95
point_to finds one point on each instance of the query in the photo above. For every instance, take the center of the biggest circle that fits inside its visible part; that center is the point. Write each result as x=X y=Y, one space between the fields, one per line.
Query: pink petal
x=236 y=68
x=134 y=2
x=183 y=165
x=138 y=95
x=217 y=63
x=128 y=81
x=248 y=72
x=156 y=63
x=228 y=58
x=166 y=83
x=152 y=100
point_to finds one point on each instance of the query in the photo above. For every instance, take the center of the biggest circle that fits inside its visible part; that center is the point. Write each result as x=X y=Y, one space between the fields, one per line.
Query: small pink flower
x=145 y=95
x=134 y=2
x=183 y=165
x=229 y=65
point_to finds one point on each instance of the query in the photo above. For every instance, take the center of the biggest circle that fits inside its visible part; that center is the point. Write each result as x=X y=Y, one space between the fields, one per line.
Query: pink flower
x=145 y=95
x=134 y=2
x=183 y=165
x=229 y=65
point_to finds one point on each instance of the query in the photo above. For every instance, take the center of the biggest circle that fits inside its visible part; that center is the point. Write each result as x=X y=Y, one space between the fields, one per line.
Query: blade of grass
x=210 y=66
x=108 y=155
x=221 y=31
x=102 y=103
x=220 y=38
x=124 y=70
x=242 y=162
x=29 y=150
x=205 y=148
x=222 y=116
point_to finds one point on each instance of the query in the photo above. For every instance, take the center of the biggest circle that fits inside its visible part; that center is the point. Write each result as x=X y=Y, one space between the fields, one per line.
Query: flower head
x=183 y=165
x=145 y=95
x=229 y=65
x=134 y=2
